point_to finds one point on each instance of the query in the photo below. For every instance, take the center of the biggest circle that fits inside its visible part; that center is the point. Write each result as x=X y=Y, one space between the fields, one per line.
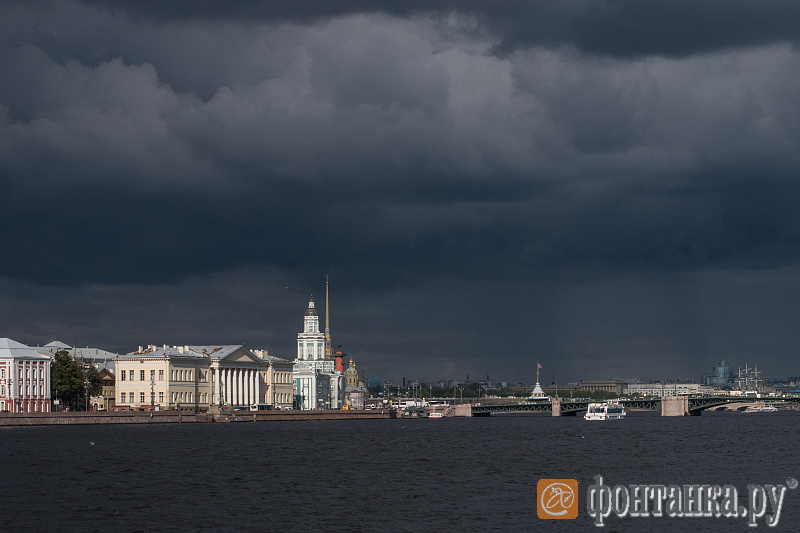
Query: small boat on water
x=605 y=411
x=761 y=409
x=436 y=415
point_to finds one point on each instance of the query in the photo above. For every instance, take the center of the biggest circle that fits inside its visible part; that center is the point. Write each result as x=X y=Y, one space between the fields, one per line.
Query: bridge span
x=671 y=406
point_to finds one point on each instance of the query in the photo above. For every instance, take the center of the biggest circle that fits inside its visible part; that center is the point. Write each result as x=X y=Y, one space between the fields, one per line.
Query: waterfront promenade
x=182 y=417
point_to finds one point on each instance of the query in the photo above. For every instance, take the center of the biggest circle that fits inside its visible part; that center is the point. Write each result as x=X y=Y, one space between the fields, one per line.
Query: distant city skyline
x=607 y=188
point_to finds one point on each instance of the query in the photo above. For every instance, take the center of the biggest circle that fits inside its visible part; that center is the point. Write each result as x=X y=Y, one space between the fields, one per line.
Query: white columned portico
x=228 y=386
x=238 y=385
x=245 y=387
x=218 y=377
x=233 y=385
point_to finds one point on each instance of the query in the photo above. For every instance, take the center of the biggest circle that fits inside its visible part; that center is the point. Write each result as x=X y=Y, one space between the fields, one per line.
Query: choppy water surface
x=453 y=474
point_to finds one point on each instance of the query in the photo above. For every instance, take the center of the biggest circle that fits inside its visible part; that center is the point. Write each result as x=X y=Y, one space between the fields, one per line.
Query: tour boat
x=605 y=411
x=761 y=409
x=436 y=415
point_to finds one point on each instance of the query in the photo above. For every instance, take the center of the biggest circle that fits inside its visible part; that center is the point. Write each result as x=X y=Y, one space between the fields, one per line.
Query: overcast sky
x=611 y=189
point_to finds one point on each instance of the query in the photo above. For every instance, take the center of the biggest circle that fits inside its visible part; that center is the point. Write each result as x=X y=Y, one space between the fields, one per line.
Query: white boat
x=436 y=415
x=605 y=411
x=761 y=409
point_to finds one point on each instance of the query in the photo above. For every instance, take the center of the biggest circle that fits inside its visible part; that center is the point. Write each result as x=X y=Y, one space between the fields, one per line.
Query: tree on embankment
x=73 y=379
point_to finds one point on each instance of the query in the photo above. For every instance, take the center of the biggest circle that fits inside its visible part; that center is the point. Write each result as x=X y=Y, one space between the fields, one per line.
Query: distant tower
x=311 y=341
x=328 y=344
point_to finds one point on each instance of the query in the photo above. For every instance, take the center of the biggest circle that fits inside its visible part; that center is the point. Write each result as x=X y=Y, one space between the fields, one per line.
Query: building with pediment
x=203 y=377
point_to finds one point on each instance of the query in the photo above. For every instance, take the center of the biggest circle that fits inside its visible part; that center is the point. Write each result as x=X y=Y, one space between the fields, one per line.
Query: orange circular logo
x=557 y=498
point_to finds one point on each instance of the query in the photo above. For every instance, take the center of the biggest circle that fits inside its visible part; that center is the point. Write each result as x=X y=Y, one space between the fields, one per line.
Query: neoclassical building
x=317 y=383
x=203 y=377
x=24 y=378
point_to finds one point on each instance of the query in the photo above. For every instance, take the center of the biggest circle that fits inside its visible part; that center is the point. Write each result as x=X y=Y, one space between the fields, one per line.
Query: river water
x=409 y=475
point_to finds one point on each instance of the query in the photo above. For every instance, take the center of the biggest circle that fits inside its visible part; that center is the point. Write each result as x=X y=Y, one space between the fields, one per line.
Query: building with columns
x=24 y=378
x=317 y=383
x=202 y=377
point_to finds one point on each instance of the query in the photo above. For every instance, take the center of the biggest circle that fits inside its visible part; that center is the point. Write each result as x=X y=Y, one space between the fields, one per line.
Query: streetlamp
x=86 y=388
x=152 y=394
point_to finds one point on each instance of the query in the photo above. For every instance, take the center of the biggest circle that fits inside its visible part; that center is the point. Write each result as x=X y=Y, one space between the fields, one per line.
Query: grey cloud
x=630 y=28
x=147 y=148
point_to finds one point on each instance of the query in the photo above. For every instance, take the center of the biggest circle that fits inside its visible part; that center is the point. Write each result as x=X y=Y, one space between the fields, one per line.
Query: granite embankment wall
x=181 y=417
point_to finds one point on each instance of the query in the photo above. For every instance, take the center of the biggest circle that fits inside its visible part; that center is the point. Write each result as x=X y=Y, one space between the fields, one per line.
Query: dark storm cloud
x=616 y=27
x=601 y=169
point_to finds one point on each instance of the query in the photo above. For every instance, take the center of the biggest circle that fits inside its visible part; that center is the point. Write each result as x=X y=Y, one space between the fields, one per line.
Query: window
x=122 y=376
x=141 y=397
x=122 y=397
x=161 y=375
x=161 y=397
x=152 y=375
x=141 y=375
x=131 y=375
x=2 y=373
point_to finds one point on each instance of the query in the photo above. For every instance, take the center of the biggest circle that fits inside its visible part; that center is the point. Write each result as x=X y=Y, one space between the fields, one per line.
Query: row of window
x=124 y=397
x=175 y=397
x=176 y=375
x=27 y=390
x=25 y=375
x=130 y=375
x=283 y=377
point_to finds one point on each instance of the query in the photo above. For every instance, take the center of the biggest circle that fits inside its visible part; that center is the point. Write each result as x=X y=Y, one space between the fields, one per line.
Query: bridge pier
x=556 y=406
x=675 y=406
x=463 y=410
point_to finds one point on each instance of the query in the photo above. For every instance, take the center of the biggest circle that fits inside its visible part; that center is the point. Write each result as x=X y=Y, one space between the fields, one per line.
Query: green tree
x=71 y=379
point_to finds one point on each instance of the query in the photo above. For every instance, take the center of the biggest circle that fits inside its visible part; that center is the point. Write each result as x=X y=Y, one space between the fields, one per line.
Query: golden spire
x=328 y=347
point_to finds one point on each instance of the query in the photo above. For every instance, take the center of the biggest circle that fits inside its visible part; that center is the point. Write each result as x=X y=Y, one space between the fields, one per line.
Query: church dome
x=311 y=311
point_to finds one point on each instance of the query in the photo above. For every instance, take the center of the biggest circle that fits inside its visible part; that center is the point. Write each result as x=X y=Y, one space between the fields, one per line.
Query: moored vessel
x=761 y=409
x=605 y=411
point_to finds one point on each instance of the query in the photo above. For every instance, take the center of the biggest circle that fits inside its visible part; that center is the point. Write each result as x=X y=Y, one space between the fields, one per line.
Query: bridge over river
x=671 y=405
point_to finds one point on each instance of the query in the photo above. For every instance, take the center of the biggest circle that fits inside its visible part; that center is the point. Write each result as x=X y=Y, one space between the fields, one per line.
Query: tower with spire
x=318 y=383
x=311 y=344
